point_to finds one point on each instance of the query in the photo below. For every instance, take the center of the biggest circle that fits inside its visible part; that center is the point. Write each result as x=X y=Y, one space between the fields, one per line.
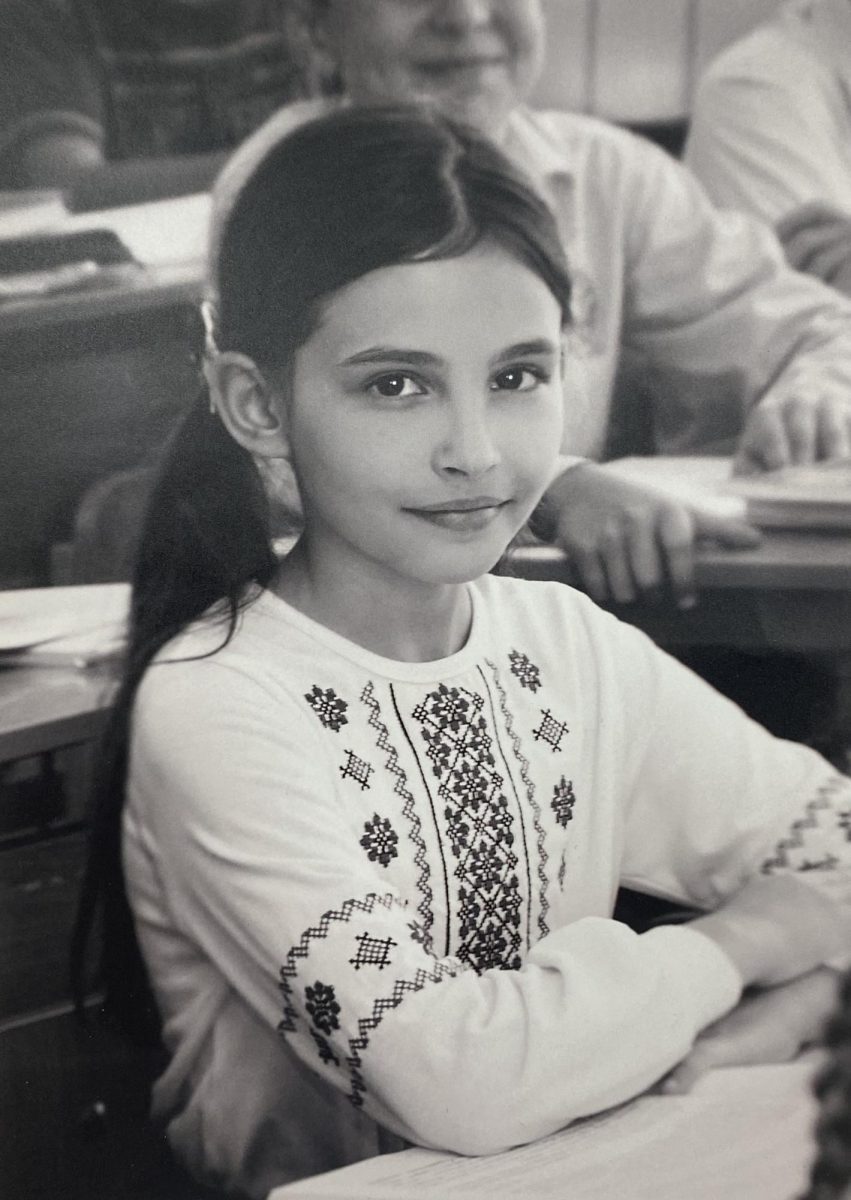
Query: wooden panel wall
x=636 y=59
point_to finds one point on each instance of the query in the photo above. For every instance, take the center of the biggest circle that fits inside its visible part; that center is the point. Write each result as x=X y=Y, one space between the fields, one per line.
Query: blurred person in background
x=82 y=81
x=741 y=354
x=771 y=133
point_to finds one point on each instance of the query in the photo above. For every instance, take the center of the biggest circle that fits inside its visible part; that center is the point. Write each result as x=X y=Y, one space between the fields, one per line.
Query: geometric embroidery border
x=795 y=838
x=381 y=1006
x=425 y=908
x=523 y=763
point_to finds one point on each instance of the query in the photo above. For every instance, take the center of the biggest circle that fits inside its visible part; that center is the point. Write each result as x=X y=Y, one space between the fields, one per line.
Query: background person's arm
x=817 y=240
x=768 y=132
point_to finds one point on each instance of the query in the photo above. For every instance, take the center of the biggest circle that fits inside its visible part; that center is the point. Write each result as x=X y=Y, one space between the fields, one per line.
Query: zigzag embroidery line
x=366 y=1025
x=289 y=970
x=400 y=786
x=523 y=763
x=822 y=801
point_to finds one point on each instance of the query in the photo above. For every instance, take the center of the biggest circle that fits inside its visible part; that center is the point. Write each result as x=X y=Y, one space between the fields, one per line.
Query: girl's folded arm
x=262 y=870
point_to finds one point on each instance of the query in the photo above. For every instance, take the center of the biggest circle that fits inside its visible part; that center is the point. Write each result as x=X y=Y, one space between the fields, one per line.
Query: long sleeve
x=769 y=129
x=262 y=869
x=711 y=799
x=721 y=319
x=702 y=299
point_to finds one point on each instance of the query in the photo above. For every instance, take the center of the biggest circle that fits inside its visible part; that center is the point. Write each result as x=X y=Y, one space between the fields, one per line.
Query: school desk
x=92 y=378
x=744 y=1133
x=791 y=593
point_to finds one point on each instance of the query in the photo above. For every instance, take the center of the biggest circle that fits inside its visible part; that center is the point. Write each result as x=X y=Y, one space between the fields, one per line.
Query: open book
x=743 y=1133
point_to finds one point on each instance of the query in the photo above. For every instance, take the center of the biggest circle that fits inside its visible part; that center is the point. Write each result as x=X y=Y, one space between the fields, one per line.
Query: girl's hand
x=628 y=542
x=768 y=1027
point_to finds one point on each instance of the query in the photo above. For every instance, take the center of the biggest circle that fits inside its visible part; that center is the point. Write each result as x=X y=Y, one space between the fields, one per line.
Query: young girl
x=378 y=801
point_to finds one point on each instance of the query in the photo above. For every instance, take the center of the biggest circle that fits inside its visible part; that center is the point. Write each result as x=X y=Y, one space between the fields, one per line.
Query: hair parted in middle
x=357 y=190
x=299 y=216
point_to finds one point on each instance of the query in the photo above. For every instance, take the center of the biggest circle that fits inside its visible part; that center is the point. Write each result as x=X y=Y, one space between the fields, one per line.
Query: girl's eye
x=517 y=379
x=395 y=386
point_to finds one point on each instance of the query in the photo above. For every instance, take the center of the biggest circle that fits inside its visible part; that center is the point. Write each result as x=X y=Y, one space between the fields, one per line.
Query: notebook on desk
x=44 y=263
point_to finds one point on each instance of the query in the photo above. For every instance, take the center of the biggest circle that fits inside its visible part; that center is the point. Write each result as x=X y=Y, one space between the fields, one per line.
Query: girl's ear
x=252 y=410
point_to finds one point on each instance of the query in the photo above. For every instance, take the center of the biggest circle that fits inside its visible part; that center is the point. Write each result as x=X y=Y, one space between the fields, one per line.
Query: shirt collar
x=529 y=147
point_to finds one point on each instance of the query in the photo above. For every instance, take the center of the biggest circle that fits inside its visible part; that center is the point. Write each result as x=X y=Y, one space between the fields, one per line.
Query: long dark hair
x=325 y=204
x=830 y=1178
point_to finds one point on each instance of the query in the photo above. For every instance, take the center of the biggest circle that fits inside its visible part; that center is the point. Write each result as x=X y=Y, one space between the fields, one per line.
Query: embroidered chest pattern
x=563 y=801
x=525 y=670
x=526 y=776
x=328 y=706
x=372 y=952
x=380 y=840
x=355 y=768
x=480 y=827
x=425 y=908
x=550 y=730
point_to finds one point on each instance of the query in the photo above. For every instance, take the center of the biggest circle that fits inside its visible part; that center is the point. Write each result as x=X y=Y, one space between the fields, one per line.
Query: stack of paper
x=816 y=496
x=63 y=626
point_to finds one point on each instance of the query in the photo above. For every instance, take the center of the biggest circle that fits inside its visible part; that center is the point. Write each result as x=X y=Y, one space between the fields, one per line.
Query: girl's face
x=476 y=60
x=425 y=417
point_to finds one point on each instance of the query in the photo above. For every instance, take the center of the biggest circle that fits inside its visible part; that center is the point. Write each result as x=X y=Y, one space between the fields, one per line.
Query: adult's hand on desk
x=798 y=428
x=626 y=541
x=769 y=1026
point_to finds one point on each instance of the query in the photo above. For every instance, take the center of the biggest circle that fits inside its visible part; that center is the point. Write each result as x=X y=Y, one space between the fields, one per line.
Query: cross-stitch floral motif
x=380 y=840
x=358 y=770
x=372 y=952
x=563 y=801
x=479 y=826
x=525 y=670
x=419 y=934
x=550 y=730
x=328 y=706
x=321 y=1003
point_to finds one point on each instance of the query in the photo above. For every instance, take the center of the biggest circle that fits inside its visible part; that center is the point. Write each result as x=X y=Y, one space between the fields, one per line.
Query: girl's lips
x=461 y=518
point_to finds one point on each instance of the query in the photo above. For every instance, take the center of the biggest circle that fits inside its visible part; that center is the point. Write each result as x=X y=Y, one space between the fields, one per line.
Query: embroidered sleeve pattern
x=818 y=843
x=346 y=973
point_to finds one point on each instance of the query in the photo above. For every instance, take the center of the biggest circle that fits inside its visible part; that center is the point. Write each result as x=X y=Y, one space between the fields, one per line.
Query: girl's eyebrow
x=422 y=358
x=383 y=354
x=536 y=347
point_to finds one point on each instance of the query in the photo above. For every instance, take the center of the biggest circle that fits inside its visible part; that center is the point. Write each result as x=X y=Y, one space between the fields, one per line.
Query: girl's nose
x=461 y=15
x=468 y=448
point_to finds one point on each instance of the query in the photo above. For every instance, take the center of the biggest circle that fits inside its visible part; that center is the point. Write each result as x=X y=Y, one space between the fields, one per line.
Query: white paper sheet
x=742 y=1134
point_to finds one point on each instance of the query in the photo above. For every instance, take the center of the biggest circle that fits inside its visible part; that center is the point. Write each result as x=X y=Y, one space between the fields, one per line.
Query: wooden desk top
x=794 y=592
x=167 y=238
x=43 y=708
x=783 y=561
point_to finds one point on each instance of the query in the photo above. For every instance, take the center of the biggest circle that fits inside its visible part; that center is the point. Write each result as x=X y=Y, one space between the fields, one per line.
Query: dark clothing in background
x=143 y=77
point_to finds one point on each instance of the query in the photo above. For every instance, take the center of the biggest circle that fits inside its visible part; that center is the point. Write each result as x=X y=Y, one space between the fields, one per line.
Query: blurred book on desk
x=63 y=626
x=43 y=263
x=701 y=481
x=813 y=496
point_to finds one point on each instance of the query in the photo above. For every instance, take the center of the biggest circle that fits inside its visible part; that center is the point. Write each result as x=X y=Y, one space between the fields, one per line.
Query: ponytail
x=206 y=538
